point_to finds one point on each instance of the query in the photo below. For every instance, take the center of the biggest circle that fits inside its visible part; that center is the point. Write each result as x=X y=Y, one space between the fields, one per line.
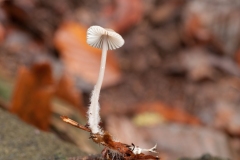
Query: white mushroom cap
x=96 y=34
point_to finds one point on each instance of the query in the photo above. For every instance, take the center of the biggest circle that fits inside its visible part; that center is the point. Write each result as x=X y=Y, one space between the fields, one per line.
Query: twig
x=74 y=123
x=113 y=148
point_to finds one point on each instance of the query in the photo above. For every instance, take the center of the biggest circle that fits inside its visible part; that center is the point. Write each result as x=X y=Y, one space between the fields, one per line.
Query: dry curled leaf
x=32 y=95
x=34 y=91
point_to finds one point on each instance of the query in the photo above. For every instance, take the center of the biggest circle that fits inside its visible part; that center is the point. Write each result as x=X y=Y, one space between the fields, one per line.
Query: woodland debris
x=121 y=15
x=180 y=140
x=35 y=90
x=218 y=22
x=114 y=150
x=168 y=113
x=33 y=93
x=66 y=90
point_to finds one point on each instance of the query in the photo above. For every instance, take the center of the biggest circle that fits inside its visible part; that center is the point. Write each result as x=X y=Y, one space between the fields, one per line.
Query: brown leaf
x=237 y=56
x=2 y=33
x=123 y=14
x=81 y=59
x=34 y=91
x=166 y=11
x=214 y=26
x=32 y=95
x=67 y=91
x=196 y=33
x=195 y=30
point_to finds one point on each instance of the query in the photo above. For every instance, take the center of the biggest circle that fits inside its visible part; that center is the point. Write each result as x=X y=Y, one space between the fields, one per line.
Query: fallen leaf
x=2 y=33
x=32 y=95
x=217 y=27
x=67 y=91
x=166 y=11
x=197 y=33
x=195 y=30
x=237 y=57
x=123 y=14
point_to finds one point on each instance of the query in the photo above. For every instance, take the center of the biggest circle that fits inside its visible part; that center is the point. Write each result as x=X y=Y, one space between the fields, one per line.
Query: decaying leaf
x=2 y=33
x=34 y=91
x=166 y=11
x=237 y=57
x=67 y=91
x=218 y=23
x=197 y=33
x=32 y=95
x=123 y=14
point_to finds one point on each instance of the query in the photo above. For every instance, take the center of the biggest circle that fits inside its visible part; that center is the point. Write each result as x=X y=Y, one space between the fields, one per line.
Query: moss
x=6 y=88
x=21 y=141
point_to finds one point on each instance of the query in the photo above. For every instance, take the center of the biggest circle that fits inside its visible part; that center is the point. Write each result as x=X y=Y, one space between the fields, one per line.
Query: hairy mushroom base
x=113 y=150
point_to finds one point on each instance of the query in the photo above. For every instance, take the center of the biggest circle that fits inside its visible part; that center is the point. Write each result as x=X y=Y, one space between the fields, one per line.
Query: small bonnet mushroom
x=105 y=39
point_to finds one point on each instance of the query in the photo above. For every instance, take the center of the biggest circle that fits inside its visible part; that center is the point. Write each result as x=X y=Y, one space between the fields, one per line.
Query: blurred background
x=174 y=83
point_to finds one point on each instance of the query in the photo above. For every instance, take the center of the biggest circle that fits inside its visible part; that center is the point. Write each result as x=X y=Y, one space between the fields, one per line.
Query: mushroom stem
x=93 y=113
x=102 y=68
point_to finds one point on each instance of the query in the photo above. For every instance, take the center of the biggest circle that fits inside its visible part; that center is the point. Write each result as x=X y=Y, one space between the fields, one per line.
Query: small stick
x=74 y=123
x=125 y=151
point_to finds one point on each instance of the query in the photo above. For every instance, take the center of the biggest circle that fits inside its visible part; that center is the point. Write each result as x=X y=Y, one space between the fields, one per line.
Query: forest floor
x=174 y=83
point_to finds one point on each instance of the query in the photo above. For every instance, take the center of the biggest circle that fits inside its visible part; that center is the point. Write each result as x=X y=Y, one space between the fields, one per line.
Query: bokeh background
x=174 y=83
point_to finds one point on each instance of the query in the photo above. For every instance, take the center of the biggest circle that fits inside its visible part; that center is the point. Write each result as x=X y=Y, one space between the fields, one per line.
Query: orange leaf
x=237 y=57
x=67 y=91
x=82 y=60
x=32 y=95
x=196 y=32
x=123 y=14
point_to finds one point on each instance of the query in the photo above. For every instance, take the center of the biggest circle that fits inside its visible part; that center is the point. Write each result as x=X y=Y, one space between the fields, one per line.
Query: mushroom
x=105 y=39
